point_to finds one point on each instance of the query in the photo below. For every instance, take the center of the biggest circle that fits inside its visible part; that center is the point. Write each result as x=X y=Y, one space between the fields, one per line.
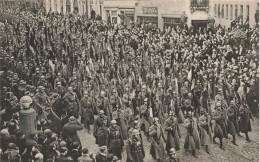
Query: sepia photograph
x=129 y=80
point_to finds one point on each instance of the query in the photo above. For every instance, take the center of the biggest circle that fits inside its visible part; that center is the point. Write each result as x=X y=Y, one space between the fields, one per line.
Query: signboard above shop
x=150 y=10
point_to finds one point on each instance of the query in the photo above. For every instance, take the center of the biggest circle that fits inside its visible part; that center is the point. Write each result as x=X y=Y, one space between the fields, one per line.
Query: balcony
x=201 y=5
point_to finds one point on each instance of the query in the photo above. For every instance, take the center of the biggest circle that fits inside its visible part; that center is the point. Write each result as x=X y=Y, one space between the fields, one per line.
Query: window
x=241 y=11
x=231 y=12
x=91 y=2
x=247 y=12
x=215 y=10
x=219 y=10
x=226 y=11
x=236 y=8
x=114 y=13
x=222 y=11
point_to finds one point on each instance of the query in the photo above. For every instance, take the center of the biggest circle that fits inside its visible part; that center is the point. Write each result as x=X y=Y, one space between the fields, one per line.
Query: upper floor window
x=231 y=12
x=226 y=11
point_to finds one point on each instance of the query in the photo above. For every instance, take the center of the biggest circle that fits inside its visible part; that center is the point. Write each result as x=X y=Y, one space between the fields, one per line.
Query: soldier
x=100 y=129
x=244 y=118
x=22 y=88
x=76 y=86
x=172 y=156
x=42 y=103
x=232 y=120
x=74 y=105
x=173 y=133
x=60 y=89
x=59 y=79
x=205 y=130
x=86 y=111
x=115 y=141
x=157 y=140
x=219 y=125
x=192 y=140
x=135 y=148
x=69 y=132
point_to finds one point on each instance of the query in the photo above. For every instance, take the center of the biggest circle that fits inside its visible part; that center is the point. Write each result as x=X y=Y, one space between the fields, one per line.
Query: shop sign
x=150 y=10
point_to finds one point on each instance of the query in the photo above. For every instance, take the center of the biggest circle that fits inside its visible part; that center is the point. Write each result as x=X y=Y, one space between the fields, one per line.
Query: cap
x=103 y=148
x=135 y=132
x=4 y=132
x=218 y=103
x=101 y=112
x=72 y=118
x=12 y=146
x=155 y=119
x=47 y=131
x=25 y=101
x=113 y=122
x=41 y=88
x=172 y=151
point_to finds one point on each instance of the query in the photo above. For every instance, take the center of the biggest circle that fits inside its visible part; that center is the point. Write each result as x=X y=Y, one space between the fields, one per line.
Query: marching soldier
x=60 y=89
x=42 y=103
x=59 y=79
x=172 y=156
x=100 y=129
x=73 y=100
x=86 y=111
x=115 y=141
x=244 y=118
x=192 y=140
x=205 y=130
x=157 y=140
x=232 y=120
x=219 y=124
x=69 y=132
x=173 y=133
x=135 y=148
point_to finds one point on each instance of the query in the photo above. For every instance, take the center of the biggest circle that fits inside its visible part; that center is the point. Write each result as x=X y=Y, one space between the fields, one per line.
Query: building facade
x=66 y=6
x=162 y=13
x=226 y=11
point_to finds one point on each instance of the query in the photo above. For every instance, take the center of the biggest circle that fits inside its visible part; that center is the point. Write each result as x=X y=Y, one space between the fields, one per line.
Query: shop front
x=171 y=20
x=149 y=15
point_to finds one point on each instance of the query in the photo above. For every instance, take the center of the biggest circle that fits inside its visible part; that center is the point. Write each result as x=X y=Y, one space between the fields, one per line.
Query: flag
x=51 y=65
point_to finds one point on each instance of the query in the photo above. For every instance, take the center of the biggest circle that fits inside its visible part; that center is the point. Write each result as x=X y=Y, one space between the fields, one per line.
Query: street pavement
x=244 y=152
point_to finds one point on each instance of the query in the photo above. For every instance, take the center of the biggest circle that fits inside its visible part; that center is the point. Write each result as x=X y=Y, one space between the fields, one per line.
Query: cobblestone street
x=244 y=152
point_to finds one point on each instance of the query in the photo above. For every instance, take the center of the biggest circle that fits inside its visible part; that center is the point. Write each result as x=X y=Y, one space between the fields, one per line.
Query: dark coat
x=192 y=140
x=69 y=132
x=135 y=150
x=100 y=130
x=101 y=158
x=173 y=133
x=245 y=124
x=157 y=144
x=115 y=141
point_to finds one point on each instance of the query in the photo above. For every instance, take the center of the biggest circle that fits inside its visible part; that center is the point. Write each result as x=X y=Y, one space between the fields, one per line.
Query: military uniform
x=69 y=132
x=42 y=102
x=100 y=130
x=173 y=134
x=192 y=140
x=115 y=141
x=86 y=111
x=74 y=105
x=205 y=130
x=135 y=150
x=157 y=142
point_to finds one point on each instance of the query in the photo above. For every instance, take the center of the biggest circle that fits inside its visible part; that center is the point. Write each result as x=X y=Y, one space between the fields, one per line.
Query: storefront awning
x=172 y=15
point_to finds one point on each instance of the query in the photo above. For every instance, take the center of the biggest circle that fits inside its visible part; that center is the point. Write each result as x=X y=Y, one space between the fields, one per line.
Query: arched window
x=75 y=5
x=68 y=6
x=61 y=5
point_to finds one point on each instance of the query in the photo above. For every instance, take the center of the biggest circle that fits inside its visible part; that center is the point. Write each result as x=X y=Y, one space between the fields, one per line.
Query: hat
x=101 y=112
x=218 y=104
x=41 y=88
x=172 y=151
x=25 y=101
x=155 y=119
x=12 y=146
x=47 y=131
x=113 y=122
x=72 y=118
x=103 y=148
x=135 y=132
x=63 y=144
x=4 y=132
